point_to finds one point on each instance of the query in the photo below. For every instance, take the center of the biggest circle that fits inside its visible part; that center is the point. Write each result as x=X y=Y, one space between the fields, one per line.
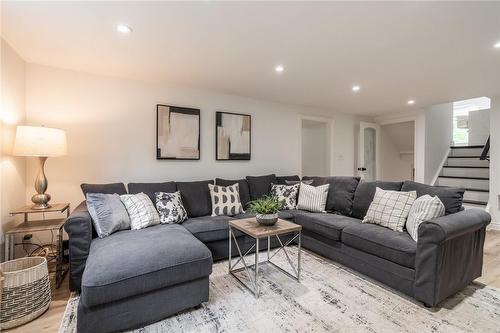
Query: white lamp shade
x=39 y=141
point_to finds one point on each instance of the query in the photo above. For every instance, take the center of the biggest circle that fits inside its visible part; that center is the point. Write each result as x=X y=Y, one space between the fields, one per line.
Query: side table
x=40 y=225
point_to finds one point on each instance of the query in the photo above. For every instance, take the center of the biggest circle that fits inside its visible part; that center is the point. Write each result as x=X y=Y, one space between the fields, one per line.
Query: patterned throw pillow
x=390 y=208
x=225 y=200
x=141 y=210
x=425 y=208
x=313 y=198
x=287 y=194
x=305 y=181
x=170 y=207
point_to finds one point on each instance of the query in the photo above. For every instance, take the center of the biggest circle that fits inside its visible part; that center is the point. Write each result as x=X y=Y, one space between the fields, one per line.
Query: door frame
x=361 y=157
x=330 y=126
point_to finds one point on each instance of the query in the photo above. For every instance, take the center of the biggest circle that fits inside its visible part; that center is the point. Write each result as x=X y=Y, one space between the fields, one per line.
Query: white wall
x=395 y=139
x=479 y=127
x=12 y=169
x=495 y=161
x=314 y=149
x=111 y=131
x=438 y=137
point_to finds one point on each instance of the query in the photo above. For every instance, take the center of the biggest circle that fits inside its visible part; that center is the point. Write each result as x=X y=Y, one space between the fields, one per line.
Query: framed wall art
x=177 y=133
x=233 y=138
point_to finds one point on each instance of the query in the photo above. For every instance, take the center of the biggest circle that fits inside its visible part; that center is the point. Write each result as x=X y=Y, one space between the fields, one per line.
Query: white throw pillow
x=225 y=200
x=425 y=208
x=170 y=207
x=287 y=194
x=390 y=208
x=141 y=210
x=313 y=198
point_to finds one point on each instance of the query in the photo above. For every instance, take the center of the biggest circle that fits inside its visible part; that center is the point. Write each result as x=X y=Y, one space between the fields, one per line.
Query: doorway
x=316 y=146
x=369 y=148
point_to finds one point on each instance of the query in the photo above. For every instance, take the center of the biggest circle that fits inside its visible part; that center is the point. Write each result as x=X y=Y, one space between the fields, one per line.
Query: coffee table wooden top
x=252 y=228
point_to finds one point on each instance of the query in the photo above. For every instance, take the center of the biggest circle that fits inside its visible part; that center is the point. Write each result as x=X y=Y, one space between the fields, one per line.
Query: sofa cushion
x=151 y=188
x=260 y=185
x=382 y=242
x=325 y=224
x=365 y=192
x=290 y=214
x=133 y=262
x=209 y=228
x=282 y=180
x=340 y=193
x=243 y=188
x=451 y=197
x=196 y=197
x=118 y=188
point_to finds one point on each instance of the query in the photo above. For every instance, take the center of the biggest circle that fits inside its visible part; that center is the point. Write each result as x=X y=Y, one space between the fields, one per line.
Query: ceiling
x=432 y=52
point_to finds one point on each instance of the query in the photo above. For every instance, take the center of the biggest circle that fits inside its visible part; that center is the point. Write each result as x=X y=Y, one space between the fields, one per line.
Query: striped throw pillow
x=313 y=198
x=390 y=208
x=425 y=208
x=141 y=210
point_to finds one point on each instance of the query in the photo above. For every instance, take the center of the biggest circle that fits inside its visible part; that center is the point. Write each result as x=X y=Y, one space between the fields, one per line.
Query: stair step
x=465 y=177
x=474 y=202
x=466 y=171
x=466 y=161
x=465 y=147
x=474 y=182
x=481 y=195
x=466 y=151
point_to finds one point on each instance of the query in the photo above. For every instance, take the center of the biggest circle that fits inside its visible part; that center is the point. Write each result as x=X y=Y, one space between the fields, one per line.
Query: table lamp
x=41 y=142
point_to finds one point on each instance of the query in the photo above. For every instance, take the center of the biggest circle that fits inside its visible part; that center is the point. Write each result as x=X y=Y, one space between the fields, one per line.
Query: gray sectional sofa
x=136 y=277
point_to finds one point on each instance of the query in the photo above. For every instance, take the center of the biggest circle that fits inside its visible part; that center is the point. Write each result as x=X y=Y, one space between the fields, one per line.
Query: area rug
x=329 y=298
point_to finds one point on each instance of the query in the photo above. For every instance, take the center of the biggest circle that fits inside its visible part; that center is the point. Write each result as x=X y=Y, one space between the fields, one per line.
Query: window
x=461 y=111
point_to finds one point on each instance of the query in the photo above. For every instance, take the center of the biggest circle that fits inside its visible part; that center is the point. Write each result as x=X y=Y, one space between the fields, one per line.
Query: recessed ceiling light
x=356 y=88
x=411 y=102
x=279 y=68
x=497 y=45
x=124 y=29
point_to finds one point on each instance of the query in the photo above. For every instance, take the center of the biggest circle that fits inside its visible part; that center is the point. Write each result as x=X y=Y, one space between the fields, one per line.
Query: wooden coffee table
x=251 y=228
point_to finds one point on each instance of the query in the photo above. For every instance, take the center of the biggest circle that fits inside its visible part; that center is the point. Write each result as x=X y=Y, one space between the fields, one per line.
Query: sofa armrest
x=80 y=231
x=449 y=254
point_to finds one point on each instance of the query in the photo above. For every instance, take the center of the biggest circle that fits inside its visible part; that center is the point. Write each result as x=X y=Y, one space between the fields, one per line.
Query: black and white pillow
x=425 y=208
x=225 y=200
x=170 y=207
x=305 y=181
x=141 y=210
x=390 y=208
x=286 y=194
x=313 y=198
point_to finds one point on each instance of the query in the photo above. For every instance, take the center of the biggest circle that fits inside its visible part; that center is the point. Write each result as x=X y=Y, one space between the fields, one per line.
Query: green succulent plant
x=265 y=205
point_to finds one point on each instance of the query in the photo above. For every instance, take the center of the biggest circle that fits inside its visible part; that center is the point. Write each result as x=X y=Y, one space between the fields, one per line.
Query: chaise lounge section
x=140 y=276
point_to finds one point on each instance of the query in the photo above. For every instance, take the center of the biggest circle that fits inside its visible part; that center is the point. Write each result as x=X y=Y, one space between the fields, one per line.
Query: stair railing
x=486 y=150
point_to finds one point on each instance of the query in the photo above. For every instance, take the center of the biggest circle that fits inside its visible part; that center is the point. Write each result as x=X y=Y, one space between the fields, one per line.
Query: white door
x=368 y=159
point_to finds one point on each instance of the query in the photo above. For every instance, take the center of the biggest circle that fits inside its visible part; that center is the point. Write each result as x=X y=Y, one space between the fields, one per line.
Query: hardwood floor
x=50 y=320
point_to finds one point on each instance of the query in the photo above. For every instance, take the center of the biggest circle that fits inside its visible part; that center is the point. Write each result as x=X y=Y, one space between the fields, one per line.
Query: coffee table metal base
x=253 y=276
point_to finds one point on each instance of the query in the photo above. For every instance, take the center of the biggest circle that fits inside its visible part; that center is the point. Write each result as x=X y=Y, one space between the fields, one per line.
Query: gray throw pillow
x=108 y=213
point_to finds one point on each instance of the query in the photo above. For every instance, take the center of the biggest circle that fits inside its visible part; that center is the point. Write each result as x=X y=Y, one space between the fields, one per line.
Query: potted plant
x=266 y=209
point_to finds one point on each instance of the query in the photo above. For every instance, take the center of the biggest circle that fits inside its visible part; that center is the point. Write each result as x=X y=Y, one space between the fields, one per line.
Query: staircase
x=468 y=167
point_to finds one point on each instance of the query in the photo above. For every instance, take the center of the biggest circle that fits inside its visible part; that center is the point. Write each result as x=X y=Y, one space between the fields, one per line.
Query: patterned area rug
x=329 y=298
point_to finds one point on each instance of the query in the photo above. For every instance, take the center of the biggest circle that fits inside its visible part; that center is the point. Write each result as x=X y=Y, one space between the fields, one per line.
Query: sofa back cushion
x=281 y=180
x=365 y=192
x=340 y=193
x=151 y=188
x=451 y=197
x=243 y=188
x=118 y=188
x=196 y=197
x=260 y=185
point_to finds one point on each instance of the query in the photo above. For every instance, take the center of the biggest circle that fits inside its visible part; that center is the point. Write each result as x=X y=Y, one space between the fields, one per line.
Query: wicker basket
x=25 y=290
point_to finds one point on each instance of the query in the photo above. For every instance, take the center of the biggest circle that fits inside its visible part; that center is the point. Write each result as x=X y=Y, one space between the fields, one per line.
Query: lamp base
x=41 y=201
x=40 y=206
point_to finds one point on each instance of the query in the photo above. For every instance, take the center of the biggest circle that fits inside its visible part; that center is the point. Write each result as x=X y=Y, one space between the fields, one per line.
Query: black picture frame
x=232 y=157
x=184 y=110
